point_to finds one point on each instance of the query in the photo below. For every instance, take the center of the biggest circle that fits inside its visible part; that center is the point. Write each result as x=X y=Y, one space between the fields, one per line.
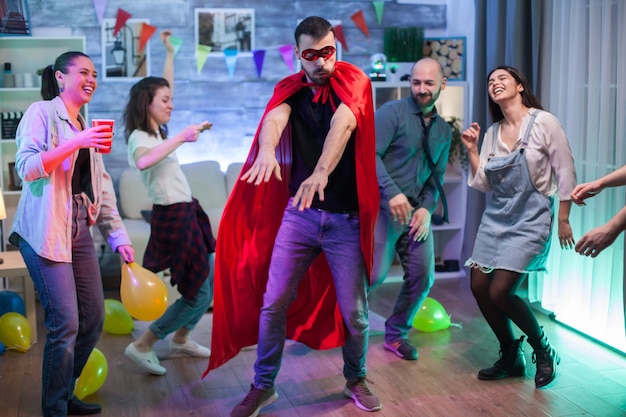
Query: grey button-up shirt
x=401 y=164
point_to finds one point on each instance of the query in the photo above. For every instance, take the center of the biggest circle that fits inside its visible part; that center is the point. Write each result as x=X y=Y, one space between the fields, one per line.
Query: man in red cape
x=254 y=212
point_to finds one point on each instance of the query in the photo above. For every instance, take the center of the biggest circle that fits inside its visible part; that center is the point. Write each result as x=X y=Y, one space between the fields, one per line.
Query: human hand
x=264 y=166
x=306 y=192
x=98 y=137
x=470 y=136
x=401 y=209
x=165 y=38
x=586 y=190
x=566 y=237
x=204 y=126
x=420 y=225
x=596 y=240
x=127 y=253
x=191 y=133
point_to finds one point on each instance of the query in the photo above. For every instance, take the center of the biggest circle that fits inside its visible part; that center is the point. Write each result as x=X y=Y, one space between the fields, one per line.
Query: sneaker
x=403 y=349
x=363 y=396
x=189 y=348
x=145 y=360
x=254 y=401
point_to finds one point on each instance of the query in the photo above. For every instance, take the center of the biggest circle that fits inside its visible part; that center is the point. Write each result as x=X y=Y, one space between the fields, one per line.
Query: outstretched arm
x=265 y=165
x=148 y=157
x=589 y=189
x=598 y=239
x=168 y=68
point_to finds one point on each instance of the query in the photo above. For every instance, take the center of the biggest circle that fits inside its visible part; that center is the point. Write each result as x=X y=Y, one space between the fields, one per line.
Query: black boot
x=546 y=358
x=511 y=363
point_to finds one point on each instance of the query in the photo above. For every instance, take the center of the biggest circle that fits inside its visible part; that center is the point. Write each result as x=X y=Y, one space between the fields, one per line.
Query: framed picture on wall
x=222 y=29
x=121 y=58
x=15 y=19
x=450 y=52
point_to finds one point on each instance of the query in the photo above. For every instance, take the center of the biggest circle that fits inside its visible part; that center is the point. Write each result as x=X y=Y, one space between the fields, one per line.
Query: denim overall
x=515 y=229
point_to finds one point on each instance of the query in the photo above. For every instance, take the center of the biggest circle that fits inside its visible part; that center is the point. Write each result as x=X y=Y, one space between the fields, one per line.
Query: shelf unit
x=449 y=236
x=26 y=54
x=453 y=101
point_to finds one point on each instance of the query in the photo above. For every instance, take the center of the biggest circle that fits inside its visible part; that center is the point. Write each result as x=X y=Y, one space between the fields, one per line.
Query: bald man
x=409 y=132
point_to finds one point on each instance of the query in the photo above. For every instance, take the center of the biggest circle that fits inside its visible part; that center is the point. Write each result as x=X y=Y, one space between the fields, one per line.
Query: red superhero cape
x=250 y=222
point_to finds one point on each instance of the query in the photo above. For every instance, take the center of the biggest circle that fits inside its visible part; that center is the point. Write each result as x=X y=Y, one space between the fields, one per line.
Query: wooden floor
x=442 y=382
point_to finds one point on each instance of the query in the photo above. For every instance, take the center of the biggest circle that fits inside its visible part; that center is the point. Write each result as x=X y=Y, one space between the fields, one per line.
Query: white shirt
x=166 y=183
x=548 y=154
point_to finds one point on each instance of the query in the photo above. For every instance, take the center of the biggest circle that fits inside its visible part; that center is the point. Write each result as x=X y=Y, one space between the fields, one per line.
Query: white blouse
x=548 y=154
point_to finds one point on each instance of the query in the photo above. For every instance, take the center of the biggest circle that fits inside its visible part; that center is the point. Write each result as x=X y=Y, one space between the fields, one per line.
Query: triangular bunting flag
x=231 y=61
x=359 y=20
x=120 y=20
x=100 y=6
x=341 y=37
x=259 y=56
x=146 y=32
x=177 y=43
x=202 y=53
x=379 y=6
x=286 y=51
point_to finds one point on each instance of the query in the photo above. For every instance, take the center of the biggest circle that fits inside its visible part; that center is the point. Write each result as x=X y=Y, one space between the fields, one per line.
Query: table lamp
x=3 y=215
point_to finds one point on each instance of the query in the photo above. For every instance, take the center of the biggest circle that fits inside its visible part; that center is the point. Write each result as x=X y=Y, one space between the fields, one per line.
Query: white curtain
x=583 y=73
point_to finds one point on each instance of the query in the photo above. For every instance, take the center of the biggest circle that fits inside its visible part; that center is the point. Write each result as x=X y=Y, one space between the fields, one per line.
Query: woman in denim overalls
x=525 y=161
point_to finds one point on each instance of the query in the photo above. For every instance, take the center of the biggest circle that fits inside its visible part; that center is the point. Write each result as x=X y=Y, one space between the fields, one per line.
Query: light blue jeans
x=184 y=312
x=301 y=238
x=418 y=264
x=73 y=303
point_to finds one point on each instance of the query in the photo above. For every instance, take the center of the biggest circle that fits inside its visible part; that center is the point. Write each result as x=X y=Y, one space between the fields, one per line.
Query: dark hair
x=528 y=98
x=314 y=26
x=136 y=114
x=49 y=86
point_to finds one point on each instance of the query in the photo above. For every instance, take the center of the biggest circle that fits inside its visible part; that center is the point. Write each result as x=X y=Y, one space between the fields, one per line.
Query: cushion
x=207 y=183
x=133 y=195
x=232 y=175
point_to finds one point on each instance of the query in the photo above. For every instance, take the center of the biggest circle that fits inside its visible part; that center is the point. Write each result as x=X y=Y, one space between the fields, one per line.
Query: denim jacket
x=43 y=217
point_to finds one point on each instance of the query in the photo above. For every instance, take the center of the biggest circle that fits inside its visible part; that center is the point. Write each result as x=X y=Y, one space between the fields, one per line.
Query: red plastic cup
x=105 y=122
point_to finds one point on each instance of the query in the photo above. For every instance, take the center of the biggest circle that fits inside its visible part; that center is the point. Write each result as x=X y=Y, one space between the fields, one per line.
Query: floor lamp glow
x=3 y=216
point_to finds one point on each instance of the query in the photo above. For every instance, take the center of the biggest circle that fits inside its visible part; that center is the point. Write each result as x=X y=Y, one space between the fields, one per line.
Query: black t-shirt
x=310 y=123
x=81 y=178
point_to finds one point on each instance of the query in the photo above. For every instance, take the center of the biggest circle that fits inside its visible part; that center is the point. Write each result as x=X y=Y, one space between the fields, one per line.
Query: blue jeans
x=301 y=238
x=418 y=263
x=73 y=303
x=184 y=312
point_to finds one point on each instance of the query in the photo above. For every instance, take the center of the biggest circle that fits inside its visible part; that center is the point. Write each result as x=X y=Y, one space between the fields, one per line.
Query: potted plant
x=458 y=154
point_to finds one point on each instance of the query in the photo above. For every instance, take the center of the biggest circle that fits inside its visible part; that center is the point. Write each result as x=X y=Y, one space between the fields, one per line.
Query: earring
x=60 y=89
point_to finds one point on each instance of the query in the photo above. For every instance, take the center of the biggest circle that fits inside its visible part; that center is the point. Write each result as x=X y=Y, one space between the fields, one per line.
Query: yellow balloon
x=142 y=292
x=15 y=331
x=92 y=376
x=116 y=318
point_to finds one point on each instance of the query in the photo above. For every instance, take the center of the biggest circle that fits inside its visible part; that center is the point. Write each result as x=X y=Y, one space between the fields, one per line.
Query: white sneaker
x=145 y=360
x=189 y=348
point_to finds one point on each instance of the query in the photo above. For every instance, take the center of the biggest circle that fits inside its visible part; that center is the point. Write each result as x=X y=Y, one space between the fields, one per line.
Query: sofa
x=208 y=184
